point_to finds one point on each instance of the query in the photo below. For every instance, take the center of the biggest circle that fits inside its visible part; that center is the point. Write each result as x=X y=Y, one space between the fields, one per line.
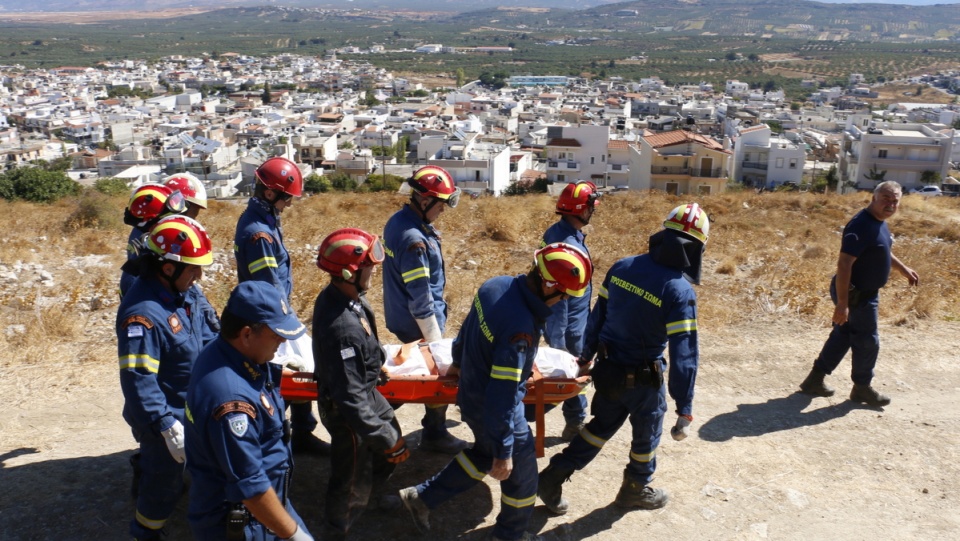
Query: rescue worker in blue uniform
x=566 y=325
x=646 y=304
x=365 y=437
x=162 y=324
x=148 y=203
x=495 y=350
x=238 y=451
x=261 y=255
x=413 y=281
x=863 y=267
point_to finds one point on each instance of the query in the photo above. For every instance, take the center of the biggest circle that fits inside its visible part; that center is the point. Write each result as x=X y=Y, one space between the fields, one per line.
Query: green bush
x=111 y=186
x=37 y=185
x=315 y=183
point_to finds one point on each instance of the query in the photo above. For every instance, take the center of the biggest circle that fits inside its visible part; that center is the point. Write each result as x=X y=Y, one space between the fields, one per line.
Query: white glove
x=174 y=439
x=300 y=535
x=430 y=329
x=295 y=363
x=681 y=430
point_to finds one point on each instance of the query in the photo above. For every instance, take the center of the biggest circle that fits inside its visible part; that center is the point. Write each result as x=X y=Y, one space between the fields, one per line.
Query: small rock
x=14 y=330
x=470 y=264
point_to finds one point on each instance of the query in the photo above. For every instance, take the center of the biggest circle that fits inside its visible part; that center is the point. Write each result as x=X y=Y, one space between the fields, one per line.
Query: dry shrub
x=727 y=266
x=815 y=252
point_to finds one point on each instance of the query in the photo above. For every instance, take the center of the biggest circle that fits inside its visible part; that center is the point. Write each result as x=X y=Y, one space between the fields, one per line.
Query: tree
x=874 y=175
x=315 y=183
x=928 y=178
x=266 y=94
x=461 y=77
x=753 y=57
x=37 y=184
x=832 y=178
x=731 y=56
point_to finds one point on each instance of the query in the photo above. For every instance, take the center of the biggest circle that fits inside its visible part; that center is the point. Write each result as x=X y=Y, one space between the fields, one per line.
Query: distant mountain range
x=12 y=6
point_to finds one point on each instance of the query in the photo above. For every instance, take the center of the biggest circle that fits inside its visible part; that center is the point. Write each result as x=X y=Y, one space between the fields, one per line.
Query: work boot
x=633 y=494
x=306 y=443
x=418 y=510
x=815 y=385
x=571 y=430
x=550 y=489
x=447 y=444
x=527 y=536
x=868 y=395
x=135 y=484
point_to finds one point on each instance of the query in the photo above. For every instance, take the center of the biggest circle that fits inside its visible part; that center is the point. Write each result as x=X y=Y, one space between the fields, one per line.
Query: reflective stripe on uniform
x=590 y=438
x=262 y=263
x=414 y=274
x=518 y=502
x=505 y=373
x=130 y=362
x=150 y=523
x=603 y=292
x=686 y=325
x=468 y=467
x=647 y=457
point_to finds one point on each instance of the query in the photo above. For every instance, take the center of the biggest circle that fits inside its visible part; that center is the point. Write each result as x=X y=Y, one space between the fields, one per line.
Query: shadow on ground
x=774 y=415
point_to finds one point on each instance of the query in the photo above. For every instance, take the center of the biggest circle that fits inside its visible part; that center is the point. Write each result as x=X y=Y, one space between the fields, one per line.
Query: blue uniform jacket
x=413 y=275
x=495 y=350
x=567 y=323
x=258 y=247
x=126 y=279
x=234 y=433
x=641 y=308
x=348 y=362
x=159 y=335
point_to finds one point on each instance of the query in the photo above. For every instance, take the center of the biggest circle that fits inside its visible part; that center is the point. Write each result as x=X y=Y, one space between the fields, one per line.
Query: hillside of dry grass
x=769 y=255
x=764 y=462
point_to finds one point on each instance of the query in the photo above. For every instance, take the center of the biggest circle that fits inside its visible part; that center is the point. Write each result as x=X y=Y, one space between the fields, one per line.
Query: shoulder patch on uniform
x=142 y=320
x=417 y=246
x=262 y=235
x=238 y=424
x=236 y=406
x=175 y=324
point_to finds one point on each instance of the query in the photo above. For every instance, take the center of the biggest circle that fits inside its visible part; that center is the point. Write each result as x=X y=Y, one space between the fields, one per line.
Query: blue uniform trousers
x=161 y=484
x=519 y=491
x=645 y=406
x=859 y=335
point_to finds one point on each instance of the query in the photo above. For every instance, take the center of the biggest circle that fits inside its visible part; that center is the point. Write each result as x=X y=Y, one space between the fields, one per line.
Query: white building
x=761 y=159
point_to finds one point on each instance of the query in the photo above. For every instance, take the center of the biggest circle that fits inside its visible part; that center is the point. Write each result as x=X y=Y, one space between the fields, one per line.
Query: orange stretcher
x=443 y=390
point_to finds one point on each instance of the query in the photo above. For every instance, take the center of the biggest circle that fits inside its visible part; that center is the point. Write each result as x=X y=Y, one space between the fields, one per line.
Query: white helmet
x=191 y=188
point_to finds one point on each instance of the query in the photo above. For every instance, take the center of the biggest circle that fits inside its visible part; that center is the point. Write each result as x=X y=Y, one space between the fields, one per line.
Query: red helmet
x=190 y=186
x=565 y=267
x=282 y=175
x=181 y=239
x=152 y=200
x=690 y=220
x=347 y=250
x=433 y=181
x=577 y=197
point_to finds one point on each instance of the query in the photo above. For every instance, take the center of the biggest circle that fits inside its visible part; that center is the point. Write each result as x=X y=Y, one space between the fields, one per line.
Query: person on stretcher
x=434 y=358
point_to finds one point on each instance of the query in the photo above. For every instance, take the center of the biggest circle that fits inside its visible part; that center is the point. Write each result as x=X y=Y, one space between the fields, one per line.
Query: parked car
x=927 y=190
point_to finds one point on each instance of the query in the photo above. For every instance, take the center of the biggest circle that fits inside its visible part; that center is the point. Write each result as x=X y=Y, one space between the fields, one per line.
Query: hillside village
x=346 y=118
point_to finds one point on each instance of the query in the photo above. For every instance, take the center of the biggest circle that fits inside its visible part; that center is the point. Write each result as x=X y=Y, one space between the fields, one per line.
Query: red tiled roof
x=617 y=144
x=678 y=137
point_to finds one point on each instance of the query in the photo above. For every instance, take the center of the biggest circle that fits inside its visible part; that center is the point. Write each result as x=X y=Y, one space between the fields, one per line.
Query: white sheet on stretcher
x=552 y=363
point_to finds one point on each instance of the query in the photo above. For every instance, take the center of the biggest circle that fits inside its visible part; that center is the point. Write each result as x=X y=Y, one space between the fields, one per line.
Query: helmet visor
x=375 y=255
x=453 y=199
x=176 y=203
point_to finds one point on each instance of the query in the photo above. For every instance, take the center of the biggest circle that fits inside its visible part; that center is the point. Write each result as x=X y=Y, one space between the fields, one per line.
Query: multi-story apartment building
x=577 y=152
x=763 y=160
x=902 y=152
x=679 y=162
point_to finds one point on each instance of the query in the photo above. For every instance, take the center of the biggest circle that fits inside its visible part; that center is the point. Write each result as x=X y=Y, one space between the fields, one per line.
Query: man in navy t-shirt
x=866 y=257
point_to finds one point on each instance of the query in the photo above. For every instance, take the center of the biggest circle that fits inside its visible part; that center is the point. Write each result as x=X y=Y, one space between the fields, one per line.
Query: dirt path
x=765 y=462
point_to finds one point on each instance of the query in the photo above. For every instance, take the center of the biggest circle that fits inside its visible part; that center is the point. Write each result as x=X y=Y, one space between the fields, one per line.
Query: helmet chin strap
x=431 y=202
x=178 y=269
